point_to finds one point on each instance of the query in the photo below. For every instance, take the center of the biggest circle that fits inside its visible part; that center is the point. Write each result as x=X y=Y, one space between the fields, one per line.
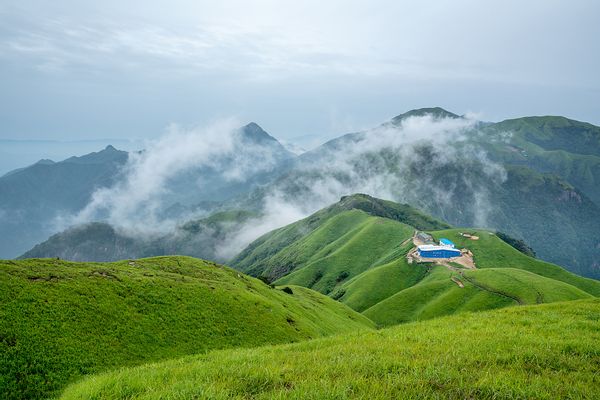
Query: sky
x=306 y=71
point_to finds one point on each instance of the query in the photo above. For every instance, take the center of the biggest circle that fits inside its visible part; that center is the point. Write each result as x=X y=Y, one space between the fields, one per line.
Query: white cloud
x=381 y=163
x=137 y=201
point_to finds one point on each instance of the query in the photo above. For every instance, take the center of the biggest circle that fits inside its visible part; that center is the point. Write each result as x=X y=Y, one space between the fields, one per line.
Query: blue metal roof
x=446 y=242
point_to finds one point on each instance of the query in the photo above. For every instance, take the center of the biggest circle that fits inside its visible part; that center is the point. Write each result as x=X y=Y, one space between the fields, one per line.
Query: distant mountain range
x=535 y=178
x=34 y=199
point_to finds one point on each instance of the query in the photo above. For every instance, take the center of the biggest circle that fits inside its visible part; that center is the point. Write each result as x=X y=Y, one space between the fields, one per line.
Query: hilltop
x=543 y=352
x=60 y=320
x=356 y=252
x=275 y=254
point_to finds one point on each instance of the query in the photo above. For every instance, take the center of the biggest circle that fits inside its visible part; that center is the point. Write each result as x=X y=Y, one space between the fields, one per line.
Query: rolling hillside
x=543 y=352
x=60 y=320
x=283 y=250
x=360 y=259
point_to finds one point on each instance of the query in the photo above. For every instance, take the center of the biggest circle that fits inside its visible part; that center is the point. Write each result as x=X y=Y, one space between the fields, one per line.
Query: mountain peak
x=110 y=147
x=45 y=161
x=256 y=134
x=435 y=112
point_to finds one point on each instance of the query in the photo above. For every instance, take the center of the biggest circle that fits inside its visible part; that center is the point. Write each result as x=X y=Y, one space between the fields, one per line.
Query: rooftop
x=446 y=242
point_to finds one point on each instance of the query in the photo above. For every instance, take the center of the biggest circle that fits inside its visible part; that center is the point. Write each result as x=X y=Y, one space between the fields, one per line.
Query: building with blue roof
x=446 y=249
x=446 y=242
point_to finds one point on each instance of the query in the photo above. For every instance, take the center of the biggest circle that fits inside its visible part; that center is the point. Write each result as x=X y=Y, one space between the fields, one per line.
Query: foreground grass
x=60 y=320
x=536 y=352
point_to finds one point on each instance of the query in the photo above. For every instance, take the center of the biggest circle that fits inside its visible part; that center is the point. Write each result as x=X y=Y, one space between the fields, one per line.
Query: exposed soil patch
x=456 y=264
x=458 y=282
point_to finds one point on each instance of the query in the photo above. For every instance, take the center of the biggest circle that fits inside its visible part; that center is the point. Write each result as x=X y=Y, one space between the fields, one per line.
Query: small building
x=426 y=238
x=446 y=242
x=435 y=251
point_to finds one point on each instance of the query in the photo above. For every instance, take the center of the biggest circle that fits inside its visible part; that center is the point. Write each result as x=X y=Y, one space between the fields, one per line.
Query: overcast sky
x=301 y=69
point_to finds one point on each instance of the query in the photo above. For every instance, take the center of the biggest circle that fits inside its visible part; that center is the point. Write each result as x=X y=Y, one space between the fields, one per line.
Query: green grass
x=523 y=286
x=60 y=320
x=492 y=252
x=437 y=295
x=370 y=239
x=379 y=283
x=434 y=296
x=535 y=352
x=286 y=249
x=360 y=260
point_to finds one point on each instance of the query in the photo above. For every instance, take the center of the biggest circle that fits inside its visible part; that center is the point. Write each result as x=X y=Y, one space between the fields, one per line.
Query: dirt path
x=487 y=289
x=458 y=282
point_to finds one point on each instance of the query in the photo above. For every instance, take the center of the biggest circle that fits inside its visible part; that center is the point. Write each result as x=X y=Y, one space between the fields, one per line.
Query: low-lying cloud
x=178 y=167
x=424 y=161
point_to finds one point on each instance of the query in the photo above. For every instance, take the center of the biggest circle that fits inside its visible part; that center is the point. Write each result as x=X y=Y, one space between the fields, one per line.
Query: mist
x=424 y=161
x=401 y=162
x=180 y=168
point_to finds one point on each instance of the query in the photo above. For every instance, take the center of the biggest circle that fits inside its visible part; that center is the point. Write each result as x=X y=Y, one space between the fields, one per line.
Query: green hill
x=284 y=250
x=543 y=352
x=360 y=259
x=437 y=295
x=60 y=320
x=568 y=148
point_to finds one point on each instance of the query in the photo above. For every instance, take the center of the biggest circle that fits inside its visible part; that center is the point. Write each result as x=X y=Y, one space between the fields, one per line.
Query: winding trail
x=487 y=289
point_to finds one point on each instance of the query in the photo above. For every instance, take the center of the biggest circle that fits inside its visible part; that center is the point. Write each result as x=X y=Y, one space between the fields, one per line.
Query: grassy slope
x=350 y=254
x=379 y=283
x=360 y=260
x=277 y=253
x=485 y=289
x=491 y=252
x=542 y=352
x=505 y=277
x=59 y=319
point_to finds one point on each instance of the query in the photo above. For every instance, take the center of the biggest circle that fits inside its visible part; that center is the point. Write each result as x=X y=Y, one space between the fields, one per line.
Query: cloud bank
x=424 y=161
x=182 y=166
